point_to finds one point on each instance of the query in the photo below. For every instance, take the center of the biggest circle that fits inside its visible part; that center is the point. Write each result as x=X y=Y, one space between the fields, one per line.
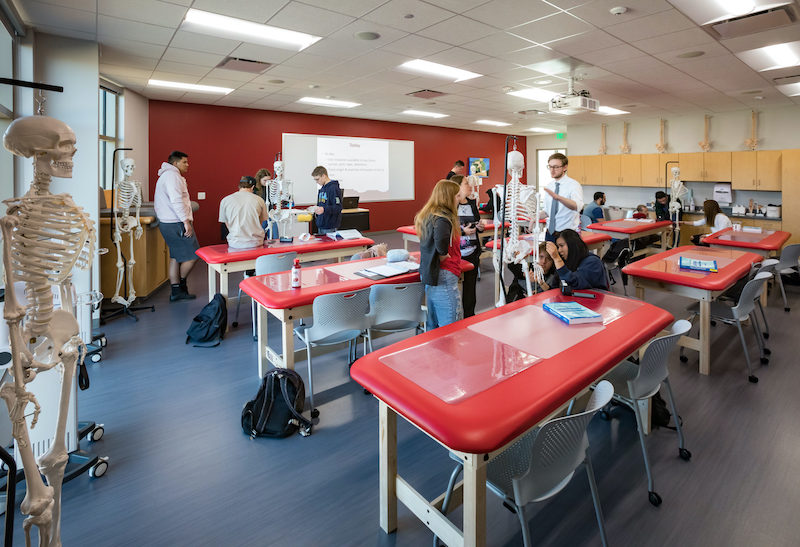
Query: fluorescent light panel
x=424 y=114
x=608 y=111
x=204 y=22
x=190 y=87
x=790 y=90
x=328 y=102
x=492 y=122
x=441 y=71
x=534 y=94
x=709 y=12
x=542 y=130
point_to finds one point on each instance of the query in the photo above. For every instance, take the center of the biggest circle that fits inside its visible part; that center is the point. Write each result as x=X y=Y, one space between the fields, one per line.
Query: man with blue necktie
x=564 y=199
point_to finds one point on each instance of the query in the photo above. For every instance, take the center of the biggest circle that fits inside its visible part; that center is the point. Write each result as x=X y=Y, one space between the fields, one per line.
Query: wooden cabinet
x=630 y=170
x=706 y=166
x=756 y=170
x=655 y=169
x=576 y=168
x=790 y=177
x=610 y=167
x=585 y=169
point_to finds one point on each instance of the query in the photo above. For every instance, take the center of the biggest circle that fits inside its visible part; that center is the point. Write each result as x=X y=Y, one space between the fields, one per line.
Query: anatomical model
x=678 y=192
x=45 y=236
x=521 y=206
x=129 y=195
x=279 y=191
x=474 y=182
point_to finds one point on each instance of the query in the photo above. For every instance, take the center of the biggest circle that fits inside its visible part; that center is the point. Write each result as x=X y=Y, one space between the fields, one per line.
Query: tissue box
x=738 y=210
x=773 y=211
x=752 y=229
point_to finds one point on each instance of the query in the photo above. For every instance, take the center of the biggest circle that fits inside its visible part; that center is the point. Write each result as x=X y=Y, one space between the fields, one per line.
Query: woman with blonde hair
x=440 y=254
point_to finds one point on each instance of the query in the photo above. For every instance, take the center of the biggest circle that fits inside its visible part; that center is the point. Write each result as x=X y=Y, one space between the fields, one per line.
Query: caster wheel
x=605 y=415
x=766 y=335
x=102 y=341
x=767 y=351
x=95 y=434
x=655 y=499
x=235 y=324
x=787 y=310
x=315 y=413
x=685 y=454
x=713 y=323
x=99 y=469
x=753 y=379
x=764 y=361
x=96 y=358
x=684 y=359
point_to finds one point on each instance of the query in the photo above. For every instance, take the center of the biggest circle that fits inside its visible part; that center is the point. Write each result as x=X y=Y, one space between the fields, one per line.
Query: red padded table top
x=275 y=290
x=763 y=241
x=590 y=238
x=732 y=266
x=628 y=226
x=222 y=254
x=410 y=230
x=517 y=389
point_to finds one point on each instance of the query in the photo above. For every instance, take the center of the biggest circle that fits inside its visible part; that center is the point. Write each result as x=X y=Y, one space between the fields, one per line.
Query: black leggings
x=468 y=297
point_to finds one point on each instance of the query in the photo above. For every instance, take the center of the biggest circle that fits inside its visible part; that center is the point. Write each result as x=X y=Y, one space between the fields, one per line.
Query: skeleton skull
x=516 y=162
x=474 y=182
x=50 y=141
x=127 y=165
x=278 y=168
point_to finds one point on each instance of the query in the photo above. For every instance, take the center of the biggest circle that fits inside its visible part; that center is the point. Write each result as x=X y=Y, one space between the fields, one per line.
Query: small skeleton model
x=474 y=182
x=129 y=195
x=279 y=191
x=678 y=191
x=44 y=237
x=522 y=205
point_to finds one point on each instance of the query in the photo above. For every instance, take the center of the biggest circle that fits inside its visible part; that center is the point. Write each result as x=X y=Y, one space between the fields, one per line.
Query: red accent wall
x=225 y=143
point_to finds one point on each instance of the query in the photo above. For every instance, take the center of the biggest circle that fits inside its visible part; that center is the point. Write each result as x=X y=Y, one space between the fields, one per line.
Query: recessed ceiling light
x=758 y=97
x=535 y=94
x=737 y=7
x=541 y=130
x=213 y=24
x=436 y=69
x=609 y=111
x=366 y=35
x=276 y=81
x=190 y=87
x=327 y=102
x=424 y=114
x=543 y=82
x=690 y=54
x=790 y=90
x=492 y=122
x=772 y=57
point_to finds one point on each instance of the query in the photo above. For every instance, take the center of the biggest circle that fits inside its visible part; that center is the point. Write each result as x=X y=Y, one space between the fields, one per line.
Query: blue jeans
x=444 y=301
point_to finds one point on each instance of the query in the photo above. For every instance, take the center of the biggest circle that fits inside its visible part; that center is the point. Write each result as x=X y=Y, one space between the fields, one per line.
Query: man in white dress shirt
x=174 y=212
x=564 y=199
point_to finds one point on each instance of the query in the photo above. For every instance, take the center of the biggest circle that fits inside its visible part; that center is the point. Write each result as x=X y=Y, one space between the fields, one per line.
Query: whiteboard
x=373 y=169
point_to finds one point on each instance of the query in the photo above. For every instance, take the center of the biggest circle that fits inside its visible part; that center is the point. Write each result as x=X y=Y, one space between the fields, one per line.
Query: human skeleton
x=129 y=195
x=474 y=182
x=279 y=190
x=678 y=191
x=45 y=236
x=522 y=205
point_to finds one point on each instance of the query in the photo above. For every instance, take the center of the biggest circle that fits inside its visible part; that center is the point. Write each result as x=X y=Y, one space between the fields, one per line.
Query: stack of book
x=572 y=313
x=697 y=264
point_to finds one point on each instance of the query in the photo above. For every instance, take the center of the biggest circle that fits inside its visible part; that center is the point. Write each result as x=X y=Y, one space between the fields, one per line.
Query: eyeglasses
x=551 y=167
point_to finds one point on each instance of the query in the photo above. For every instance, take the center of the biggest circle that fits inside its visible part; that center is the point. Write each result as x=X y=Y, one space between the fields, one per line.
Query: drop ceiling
x=644 y=61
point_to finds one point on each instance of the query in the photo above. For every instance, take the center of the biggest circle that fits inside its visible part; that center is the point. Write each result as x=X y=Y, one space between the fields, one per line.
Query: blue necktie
x=553 y=210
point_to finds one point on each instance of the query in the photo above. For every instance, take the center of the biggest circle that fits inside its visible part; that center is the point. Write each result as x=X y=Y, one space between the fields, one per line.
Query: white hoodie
x=171 y=200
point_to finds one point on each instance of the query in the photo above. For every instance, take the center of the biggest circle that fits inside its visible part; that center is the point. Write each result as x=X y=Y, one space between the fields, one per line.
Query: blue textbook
x=572 y=313
x=699 y=265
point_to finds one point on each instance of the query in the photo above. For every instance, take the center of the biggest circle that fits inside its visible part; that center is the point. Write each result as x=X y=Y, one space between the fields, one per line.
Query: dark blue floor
x=183 y=473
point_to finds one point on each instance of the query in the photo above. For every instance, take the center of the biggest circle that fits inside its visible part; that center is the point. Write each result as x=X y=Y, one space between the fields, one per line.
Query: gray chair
x=396 y=308
x=787 y=264
x=744 y=308
x=620 y=262
x=634 y=383
x=585 y=221
x=733 y=294
x=542 y=462
x=266 y=264
x=338 y=317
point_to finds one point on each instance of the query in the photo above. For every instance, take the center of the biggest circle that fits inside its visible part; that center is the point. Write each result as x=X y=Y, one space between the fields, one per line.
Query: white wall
x=74 y=65
x=135 y=126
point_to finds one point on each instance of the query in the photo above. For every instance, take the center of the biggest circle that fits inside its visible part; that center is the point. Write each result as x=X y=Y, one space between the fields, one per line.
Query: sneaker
x=181 y=296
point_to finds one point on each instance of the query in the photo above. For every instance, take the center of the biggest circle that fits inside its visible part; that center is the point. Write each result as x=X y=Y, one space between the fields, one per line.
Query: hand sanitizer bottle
x=296 y=274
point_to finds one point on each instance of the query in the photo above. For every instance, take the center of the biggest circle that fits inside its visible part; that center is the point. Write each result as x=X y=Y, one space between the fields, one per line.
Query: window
x=108 y=117
x=542 y=173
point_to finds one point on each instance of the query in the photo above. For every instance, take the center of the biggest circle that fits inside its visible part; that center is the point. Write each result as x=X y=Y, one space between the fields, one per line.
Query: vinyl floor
x=182 y=473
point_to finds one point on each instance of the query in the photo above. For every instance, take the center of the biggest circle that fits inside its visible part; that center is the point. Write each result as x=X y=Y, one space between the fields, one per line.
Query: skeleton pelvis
x=63 y=326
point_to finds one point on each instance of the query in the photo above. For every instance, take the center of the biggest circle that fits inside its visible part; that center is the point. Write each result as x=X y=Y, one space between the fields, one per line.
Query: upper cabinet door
x=630 y=169
x=611 y=170
x=717 y=166
x=594 y=171
x=651 y=172
x=691 y=166
x=768 y=172
x=743 y=170
x=576 y=168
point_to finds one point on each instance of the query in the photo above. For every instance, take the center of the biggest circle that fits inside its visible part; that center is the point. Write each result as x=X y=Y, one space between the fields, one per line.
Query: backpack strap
x=305 y=424
x=264 y=412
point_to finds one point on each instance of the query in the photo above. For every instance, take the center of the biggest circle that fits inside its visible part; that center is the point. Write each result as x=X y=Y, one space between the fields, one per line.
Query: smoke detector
x=619 y=10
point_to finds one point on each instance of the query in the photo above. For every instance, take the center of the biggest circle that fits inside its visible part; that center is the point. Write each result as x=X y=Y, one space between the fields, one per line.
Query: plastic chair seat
x=336 y=338
x=396 y=326
x=719 y=311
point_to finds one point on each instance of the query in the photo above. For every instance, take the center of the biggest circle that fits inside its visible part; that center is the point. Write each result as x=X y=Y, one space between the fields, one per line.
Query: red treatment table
x=275 y=296
x=662 y=272
x=766 y=243
x=223 y=260
x=477 y=385
x=632 y=229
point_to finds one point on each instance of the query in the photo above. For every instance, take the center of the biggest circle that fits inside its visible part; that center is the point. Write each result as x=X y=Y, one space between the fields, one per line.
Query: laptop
x=350 y=202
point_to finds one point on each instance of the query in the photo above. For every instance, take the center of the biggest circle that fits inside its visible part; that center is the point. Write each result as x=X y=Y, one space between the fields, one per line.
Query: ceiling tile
x=85 y=5
x=588 y=41
x=416 y=46
x=182 y=68
x=310 y=19
x=597 y=12
x=59 y=16
x=354 y=8
x=457 y=30
x=232 y=75
x=456 y=57
x=200 y=42
x=179 y=55
x=307 y=61
x=552 y=28
x=129 y=47
x=497 y=44
x=651 y=25
x=393 y=14
x=611 y=54
x=252 y=10
x=221 y=78
x=264 y=54
x=117 y=57
x=711 y=50
x=116 y=71
x=532 y=55
x=666 y=42
x=145 y=11
x=175 y=77
x=505 y=14
x=131 y=30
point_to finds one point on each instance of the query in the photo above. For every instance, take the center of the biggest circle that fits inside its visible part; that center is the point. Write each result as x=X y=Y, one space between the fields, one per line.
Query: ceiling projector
x=573 y=104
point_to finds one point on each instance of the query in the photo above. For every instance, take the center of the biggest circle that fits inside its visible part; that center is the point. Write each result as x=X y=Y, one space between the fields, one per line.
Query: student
x=263 y=176
x=575 y=264
x=243 y=212
x=458 y=169
x=662 y=206
x=471 y=225
x=713 y=217
x=550 y=278
x=641 y=212
x=440 y=256
x=594 y=210
x=329 y=202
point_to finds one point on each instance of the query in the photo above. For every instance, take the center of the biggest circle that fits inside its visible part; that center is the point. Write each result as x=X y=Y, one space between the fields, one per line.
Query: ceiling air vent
x=426 y=94
x=757 y=22
x=244 y=65
x=793 y=79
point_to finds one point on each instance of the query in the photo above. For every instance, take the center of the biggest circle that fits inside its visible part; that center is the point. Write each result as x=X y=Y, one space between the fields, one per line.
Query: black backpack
x=660 y=414
x=277 y=409
x=208 y=327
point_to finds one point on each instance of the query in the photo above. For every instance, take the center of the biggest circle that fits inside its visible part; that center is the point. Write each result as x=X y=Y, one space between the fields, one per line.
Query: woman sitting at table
x=440 y=254
x=575 y=265
x=713 y=217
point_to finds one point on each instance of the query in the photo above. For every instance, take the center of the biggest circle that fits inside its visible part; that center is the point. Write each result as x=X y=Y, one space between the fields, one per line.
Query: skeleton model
x=44 y=237
x=129 y=195
x=474 y=182
x=678 y=191
x=522 y=205
x=279 y=190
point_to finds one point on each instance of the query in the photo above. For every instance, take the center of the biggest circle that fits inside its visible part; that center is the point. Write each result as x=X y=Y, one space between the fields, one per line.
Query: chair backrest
x=653 y=364
x=789 y=257
x=750 y=292
x=586 y=220
x=558 y=449
x=268 y=264
x=396 y=303
x=767 y=265
x=337 y=312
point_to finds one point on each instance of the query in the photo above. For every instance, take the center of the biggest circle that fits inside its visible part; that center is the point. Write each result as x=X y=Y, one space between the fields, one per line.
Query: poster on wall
x=479 y=166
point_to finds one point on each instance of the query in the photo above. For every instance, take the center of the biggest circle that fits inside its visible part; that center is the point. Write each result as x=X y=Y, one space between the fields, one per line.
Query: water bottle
x=296 y=274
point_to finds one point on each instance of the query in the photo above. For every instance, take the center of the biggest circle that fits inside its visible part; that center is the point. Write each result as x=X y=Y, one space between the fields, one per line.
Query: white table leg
x=705 y=337
x=387 y=468
x=263 y=339
x=474 y=502
x=223 y=283
x=287 y=339
x=212 y=282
